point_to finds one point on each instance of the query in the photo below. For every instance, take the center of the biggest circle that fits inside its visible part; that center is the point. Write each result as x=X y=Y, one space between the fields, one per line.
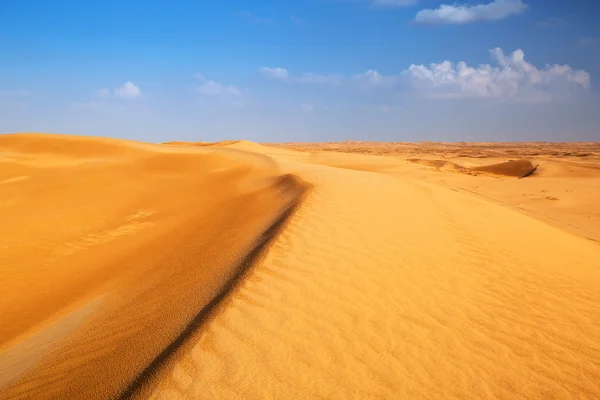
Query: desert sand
x=385 y=271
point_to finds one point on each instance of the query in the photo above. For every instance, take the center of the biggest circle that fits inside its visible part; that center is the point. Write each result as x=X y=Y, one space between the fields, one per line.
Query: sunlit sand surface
x=110 y=248
x=407 y=270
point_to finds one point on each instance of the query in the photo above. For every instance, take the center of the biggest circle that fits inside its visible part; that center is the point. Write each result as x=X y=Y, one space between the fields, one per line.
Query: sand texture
x=110 y=248
x=405 y=270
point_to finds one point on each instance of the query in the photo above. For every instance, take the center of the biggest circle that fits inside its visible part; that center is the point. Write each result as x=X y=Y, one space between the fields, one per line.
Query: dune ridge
x=154 y=234
x=287 y=183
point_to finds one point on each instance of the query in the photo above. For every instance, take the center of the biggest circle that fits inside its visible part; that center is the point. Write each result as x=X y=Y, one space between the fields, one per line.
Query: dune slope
x=109 y=248
x=386 y=288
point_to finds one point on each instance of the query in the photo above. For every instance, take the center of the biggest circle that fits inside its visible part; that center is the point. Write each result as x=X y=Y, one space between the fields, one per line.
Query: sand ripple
x=382 y=288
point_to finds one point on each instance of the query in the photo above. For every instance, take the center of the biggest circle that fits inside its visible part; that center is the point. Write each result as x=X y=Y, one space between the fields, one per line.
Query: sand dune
x=517 y=168
x=109 y=248
x=391 y=280
x=387 y=288
x=245 y=145
x=440 y=164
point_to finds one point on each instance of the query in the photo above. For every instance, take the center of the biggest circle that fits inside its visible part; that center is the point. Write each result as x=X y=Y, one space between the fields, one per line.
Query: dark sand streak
x=259 y=249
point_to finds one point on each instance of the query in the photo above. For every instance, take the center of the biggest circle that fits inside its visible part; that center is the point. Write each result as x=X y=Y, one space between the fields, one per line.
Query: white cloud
x=393 y=3
x=128 y=91
x=279 y=73
x=308 y=77
x=213 y=88
x=511 y=79
x=14 y=93
x=514 y=79
x=465 y=14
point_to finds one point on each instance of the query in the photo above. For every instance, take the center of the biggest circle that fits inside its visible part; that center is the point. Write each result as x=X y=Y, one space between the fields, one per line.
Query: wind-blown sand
x=111 y=248
x=393 y=279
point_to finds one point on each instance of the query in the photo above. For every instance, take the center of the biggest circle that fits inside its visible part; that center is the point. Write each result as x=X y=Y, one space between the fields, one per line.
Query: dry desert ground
x=352 y=270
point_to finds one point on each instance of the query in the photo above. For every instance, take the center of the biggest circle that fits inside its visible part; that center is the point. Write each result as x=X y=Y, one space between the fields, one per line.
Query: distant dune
x=518 y=168
x=387 y=270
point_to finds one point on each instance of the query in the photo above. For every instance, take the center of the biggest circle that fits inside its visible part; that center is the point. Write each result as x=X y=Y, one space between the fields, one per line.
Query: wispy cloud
x=307 y=77
x=552 y=22
x=249 y=17
x=213 y=88
x=466 y=14
x=277 y=73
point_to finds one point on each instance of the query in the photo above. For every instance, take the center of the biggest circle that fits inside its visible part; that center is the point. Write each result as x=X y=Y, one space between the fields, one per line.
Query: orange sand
x=394 y=279
x=109 y=248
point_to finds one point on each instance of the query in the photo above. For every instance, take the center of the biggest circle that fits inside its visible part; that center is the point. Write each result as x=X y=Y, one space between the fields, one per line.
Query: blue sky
x=302 y=70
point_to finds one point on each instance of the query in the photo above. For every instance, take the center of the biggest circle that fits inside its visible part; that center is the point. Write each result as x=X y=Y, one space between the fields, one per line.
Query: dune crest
x=517 y=168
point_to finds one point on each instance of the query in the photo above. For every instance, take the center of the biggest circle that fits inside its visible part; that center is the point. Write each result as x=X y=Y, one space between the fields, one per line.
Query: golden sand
x=393 y=279
x=113 y=247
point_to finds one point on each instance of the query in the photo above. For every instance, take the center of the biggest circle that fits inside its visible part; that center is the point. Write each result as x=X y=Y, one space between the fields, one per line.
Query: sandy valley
x=350 y=270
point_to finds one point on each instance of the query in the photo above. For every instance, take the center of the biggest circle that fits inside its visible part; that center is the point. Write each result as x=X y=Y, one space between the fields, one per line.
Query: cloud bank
x=513 y=79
